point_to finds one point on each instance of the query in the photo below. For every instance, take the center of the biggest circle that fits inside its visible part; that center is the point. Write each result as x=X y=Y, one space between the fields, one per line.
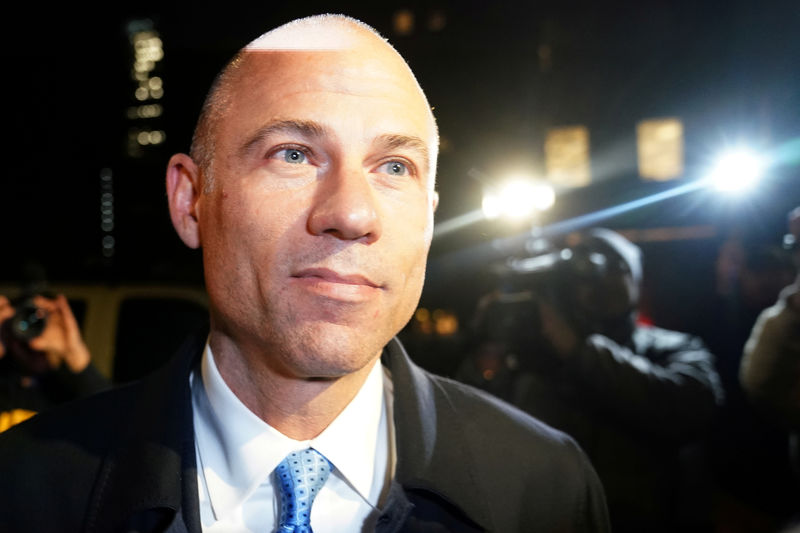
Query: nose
x=345 y=207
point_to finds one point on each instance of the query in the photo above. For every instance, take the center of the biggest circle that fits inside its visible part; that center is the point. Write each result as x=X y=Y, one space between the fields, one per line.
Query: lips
x=336 y=285
x=331 y=276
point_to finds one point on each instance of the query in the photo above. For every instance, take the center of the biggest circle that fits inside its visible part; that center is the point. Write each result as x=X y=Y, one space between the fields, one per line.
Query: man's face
x=316 y=231
x=611 y=296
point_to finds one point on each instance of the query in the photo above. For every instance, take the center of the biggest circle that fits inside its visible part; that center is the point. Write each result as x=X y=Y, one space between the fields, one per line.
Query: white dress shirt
x=237 y=453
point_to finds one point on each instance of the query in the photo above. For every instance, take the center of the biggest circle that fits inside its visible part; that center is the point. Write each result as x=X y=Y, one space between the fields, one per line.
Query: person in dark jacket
x=310 y=190
x=769 y=375
x=636 y=397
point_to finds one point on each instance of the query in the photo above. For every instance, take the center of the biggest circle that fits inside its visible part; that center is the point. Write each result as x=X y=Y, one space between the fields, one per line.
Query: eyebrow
x=391 y=142
x=303 y=128
x=310 y=129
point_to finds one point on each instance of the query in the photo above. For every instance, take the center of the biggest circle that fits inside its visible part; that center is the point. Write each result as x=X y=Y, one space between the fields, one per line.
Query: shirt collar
x=238 y=451
x=350 y=441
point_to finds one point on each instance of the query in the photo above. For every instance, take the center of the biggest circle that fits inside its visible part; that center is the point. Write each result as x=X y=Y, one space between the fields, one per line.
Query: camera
x=28 y=321
x=551 y=274
x=555 y=272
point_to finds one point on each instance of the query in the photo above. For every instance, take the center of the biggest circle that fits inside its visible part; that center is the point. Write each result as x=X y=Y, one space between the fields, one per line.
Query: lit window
x=566 y=153
x=659 y=144
x=403 y=22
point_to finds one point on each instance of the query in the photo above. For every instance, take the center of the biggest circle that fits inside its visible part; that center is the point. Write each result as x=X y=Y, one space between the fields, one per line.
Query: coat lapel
x=434 y=460
x=149 y=478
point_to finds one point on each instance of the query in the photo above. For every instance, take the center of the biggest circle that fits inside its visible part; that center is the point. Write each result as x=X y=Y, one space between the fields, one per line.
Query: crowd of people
x=694 y=432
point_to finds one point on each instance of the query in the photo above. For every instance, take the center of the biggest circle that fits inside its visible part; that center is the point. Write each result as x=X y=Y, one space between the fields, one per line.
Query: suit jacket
x=124 y=461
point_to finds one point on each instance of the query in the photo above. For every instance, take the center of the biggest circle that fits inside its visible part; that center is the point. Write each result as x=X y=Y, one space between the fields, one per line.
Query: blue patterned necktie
x=300 y=476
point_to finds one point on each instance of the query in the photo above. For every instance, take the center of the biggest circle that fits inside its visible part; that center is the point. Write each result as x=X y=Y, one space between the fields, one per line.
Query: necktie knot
x=300 y=476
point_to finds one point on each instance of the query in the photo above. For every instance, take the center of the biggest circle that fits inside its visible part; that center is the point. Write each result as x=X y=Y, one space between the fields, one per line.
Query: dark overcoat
x=124 y=461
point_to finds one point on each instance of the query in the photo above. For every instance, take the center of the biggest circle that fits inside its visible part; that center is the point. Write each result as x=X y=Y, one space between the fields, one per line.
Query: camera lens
x=28 y=322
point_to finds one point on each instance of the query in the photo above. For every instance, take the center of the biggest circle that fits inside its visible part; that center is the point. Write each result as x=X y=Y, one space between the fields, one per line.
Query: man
x=310 y=191
x=770 y=372
x=752 y=472
x=636 y=397
x=770 y=367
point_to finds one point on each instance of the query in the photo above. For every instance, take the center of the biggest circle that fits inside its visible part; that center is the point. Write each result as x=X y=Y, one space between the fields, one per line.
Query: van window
x=78 y=308
x=149 y=331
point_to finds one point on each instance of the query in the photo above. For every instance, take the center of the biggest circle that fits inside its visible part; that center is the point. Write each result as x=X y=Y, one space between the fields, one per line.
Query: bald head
x=319 y=33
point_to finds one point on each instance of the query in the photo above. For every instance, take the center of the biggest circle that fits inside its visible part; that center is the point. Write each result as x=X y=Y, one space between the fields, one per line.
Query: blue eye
x=396 y=168
x=292 y=155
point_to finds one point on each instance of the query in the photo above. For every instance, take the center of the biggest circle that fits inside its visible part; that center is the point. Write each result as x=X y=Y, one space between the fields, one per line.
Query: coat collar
x=433 y=453
x=146 y=474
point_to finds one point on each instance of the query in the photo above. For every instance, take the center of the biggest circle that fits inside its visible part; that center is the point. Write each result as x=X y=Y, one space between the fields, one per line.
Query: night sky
x=728 y=70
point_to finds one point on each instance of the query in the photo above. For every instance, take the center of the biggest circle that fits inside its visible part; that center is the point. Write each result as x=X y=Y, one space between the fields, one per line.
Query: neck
x=299 y=407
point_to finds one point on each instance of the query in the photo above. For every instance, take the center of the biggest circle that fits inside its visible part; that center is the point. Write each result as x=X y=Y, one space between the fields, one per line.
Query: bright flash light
x=518 y=199
x=736 y=171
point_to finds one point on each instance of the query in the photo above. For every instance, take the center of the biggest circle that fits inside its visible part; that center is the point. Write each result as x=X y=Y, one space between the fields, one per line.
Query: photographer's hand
x=61 y=339
x=557 y=330
x=6 y=312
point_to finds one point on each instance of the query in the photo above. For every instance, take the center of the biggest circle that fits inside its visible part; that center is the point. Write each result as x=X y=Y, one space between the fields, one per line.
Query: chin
x=333 y=354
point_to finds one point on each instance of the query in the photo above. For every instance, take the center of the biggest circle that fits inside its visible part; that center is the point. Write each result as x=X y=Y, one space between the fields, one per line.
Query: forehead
x=376 y=81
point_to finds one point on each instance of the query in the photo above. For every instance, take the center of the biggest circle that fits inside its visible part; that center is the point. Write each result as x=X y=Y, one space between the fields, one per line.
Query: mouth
x=335 y=285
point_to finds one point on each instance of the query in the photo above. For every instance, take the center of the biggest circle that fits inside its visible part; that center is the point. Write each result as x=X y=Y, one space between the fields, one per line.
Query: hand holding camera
x=41 y=334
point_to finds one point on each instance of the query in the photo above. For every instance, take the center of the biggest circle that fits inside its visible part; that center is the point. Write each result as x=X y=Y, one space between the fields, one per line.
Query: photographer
x=770 y=369
x=636 y=397
x=41 y=367
x=770 y=366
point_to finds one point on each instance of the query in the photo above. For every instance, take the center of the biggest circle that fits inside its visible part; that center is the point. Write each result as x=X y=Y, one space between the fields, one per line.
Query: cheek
x=412 y=231
x=406 y=240
x=239 y=234
x=411 y=216
x=633 y=292
x=416 y=263
x=259 y=221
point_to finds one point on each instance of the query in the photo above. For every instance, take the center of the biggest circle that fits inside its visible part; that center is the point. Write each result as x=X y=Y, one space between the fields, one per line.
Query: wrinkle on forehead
x=347 y=71
x=366 y=72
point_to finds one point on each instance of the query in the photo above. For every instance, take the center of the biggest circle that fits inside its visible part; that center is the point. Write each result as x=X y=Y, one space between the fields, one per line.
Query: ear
x=435 y=200
x=184 y=192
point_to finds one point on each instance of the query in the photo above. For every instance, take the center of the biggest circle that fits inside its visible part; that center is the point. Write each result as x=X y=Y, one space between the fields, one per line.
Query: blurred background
x=620 y=110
